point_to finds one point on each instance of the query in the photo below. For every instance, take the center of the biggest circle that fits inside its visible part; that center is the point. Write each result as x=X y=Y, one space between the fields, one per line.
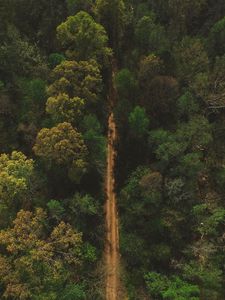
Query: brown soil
x=112 y=235
x=112 y=231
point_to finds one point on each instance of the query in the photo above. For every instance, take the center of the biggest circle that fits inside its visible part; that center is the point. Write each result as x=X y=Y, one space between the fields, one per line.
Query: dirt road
x=112 y=234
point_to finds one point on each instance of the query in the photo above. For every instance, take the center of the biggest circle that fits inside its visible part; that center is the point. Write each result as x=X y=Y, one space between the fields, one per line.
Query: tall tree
x=64 y=146
x=113 y=15
x=83 y=38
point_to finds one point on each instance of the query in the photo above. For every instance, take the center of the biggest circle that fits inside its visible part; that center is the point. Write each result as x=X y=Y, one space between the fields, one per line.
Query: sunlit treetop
x=62 y=145
x=15 y=173
x=83 y=38
x=77 y=79
x=35 y=261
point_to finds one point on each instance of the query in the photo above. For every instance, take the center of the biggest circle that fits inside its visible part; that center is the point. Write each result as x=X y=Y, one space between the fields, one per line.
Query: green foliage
x=173 y=288
x=159 y=95
x=166 y=62
x=156 y=283
x=168 y=147
x=83 y=205
x=56 y=210
x=215 y=88
x=216 y=38
x=175 y=191
x=194 y=135
x=19 y=57
x=197 y=132
x=62 y=108
x=83 y=212
x=75 y=86
x=95 y=141
x=209 y=276
x=34 y=264
x=83 y=38
x=150 y=66
x=31 y=108
x=55 y=59
x=1 y=85
x=74 y=6
x=77 y=79
x=114 y=15
x=74 y=291
x=36 y=90
x=187 y=105
x=139 y=122
x=183 y=14
x=191 y=164
x=16 y=171
x=209 y=219
x=62 y=145
x=143 y=188
x=139 y=202
x=151 y=36
x=125 y=82
x=191 y=59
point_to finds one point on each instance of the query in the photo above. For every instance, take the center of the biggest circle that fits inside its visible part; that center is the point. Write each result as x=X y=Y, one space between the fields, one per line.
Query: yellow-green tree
x=16 y=172
x=64 y=108
x=62 y=145
x=81 y=79
x=36 y=263
x=83 y=38
x=75 y=85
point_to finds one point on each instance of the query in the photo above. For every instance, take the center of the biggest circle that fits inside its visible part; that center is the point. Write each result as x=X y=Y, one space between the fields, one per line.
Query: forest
x=112 y=149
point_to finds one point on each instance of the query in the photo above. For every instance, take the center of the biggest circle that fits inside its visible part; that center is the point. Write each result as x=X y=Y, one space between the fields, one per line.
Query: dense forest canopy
x=55 y=64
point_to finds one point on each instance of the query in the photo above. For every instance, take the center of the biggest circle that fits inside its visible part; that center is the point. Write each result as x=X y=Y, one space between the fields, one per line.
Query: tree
x=150 y=66
x=139 y=202
x=215 y=89
x=216 y=38
x=83 y=212
x=74 y=6
x=33 y=93
x=83 y=38
x=151 y=37
x=7 y=121
x=38 y=20
x=138 y=122
x=187 y=105
x=77 y=79
x=191 y=59
x=183 y=14
x=185 y=146
x=125 y=83
x=18 y=56
x=64 y=146
x=95 y=141
x=16 y=172
x=113 y=15
x=75 y=85
x=55 y=59
x=36 y=263
x=62 y=108
x=158 y=96
x=201 y=265
x=171 y=288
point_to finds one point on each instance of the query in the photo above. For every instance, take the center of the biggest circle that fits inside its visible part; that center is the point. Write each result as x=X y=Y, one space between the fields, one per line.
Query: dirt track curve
x=112 y=231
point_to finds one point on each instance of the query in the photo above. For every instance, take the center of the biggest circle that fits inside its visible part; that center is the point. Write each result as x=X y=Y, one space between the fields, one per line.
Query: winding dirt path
x=112 y=231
